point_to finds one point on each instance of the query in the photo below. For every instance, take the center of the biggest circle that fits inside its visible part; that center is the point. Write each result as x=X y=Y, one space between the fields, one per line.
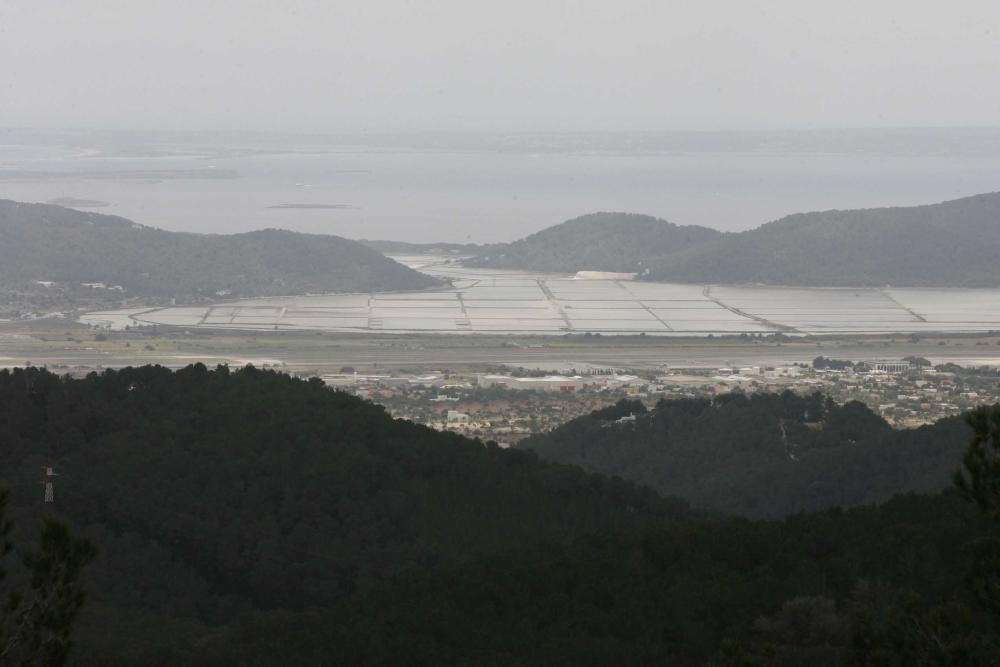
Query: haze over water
x=486 y=188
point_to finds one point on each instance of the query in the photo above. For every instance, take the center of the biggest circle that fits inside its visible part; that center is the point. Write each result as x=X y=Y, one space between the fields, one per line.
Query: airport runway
x=329 y=352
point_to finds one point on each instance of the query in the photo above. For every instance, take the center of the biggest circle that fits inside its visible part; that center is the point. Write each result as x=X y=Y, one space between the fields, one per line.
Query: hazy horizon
x=455 y=121
x=394 y=65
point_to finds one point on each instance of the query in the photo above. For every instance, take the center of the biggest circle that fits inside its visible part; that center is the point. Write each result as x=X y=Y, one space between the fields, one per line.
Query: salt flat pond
x=492 y=301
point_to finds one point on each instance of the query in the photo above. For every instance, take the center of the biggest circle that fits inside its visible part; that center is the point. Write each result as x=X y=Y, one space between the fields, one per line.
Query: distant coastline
x=123 y=175
x=73 y=202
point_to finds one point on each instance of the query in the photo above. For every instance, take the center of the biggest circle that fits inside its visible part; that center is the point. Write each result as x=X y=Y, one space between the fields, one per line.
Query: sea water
x=444 y=193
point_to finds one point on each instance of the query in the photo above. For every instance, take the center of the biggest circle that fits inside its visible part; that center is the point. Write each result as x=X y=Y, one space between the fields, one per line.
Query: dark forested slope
x=597 y=242
x=766 y=455
x=728 y=592
x=40 y=242
x=214 y=493
x=245 y=517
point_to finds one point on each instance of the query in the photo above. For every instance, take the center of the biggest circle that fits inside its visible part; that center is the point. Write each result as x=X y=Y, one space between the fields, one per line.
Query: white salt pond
x=500 y=302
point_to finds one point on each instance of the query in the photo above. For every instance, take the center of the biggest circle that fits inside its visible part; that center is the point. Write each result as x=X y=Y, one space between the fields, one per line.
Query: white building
x=783 y=372
x=603 y=275
x=892 y=366
x=547 y=383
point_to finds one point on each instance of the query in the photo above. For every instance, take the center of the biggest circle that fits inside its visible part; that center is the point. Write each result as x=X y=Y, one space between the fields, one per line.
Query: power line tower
x=49 y=483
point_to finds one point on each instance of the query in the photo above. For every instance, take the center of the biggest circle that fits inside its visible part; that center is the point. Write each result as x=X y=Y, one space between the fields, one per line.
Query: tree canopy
x=763 y=455
x=246 y=517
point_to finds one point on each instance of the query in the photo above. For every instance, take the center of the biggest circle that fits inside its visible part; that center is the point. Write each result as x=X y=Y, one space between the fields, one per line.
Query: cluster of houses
x=905 y=393
x=566 y=384
x=558 y=383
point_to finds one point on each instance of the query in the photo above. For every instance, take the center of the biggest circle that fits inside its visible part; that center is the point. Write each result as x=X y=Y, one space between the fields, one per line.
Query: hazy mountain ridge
x=40 y=242
x=950 y=244
x=625 y=242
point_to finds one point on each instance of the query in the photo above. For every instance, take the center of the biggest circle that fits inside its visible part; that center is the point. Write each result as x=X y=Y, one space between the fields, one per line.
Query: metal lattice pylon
x=48 y=483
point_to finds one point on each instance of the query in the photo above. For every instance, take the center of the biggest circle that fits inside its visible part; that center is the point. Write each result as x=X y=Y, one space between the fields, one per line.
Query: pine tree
x=36 y=621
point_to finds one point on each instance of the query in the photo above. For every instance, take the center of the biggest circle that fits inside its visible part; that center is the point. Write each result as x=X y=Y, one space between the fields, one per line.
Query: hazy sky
x=331 y=65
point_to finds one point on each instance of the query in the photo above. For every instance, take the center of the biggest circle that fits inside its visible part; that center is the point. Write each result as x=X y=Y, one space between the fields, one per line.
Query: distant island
x=952 y=244
x=53 y=247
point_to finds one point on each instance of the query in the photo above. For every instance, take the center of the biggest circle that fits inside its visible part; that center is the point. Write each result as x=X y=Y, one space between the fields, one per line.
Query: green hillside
x=40 y=242
x=214 y=493
x=830 y=589
x=248 y=518
x=763 y=456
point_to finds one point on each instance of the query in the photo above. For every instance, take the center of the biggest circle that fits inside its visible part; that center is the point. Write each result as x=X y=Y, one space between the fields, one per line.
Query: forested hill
x=863 y=587
x=622 y=242
x=213 y=493
x=246 y=517
x=952 y=244
x=766 y=455
x=41 y=242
